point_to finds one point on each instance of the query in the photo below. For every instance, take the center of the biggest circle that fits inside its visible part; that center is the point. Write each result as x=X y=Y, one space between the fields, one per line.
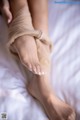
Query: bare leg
x=25 y=45
x=40 y=87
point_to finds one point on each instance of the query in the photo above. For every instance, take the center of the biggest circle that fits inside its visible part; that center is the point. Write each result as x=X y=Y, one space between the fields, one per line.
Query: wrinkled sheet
x=64 y=29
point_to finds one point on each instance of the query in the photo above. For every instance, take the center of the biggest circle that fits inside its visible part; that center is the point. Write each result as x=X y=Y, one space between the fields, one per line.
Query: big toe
x=36 y=68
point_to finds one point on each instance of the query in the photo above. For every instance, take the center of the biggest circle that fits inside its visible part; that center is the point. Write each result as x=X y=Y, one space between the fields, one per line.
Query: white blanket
x=64 y=29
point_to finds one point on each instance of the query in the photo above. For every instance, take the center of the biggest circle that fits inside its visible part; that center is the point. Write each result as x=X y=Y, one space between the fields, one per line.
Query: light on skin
x=40 y=87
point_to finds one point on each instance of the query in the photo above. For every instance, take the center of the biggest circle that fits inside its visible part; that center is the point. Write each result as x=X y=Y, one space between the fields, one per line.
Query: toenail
x=43 y=73
x=35 y=71
x=30 y=67
x=39 y=73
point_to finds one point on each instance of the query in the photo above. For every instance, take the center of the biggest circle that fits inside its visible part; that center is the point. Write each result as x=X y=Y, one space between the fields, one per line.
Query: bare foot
x=55 y=108
x=26 y=49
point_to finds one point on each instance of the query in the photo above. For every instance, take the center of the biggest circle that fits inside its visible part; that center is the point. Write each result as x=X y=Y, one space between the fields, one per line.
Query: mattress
x=64 y=30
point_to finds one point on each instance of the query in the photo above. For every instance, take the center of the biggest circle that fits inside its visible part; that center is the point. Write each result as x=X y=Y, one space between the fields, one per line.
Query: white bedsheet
x=64 y=29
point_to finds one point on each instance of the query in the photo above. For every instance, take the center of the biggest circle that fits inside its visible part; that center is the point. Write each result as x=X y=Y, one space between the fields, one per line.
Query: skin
x=40 y=21
x=5 y=9
x=25 y=46
x=39 y=87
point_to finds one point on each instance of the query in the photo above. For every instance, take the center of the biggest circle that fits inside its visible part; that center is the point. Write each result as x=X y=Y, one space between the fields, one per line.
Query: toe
x=39 y=70
x=72 y=116
x=26 y=62
x=29 y=66
x=34 y=69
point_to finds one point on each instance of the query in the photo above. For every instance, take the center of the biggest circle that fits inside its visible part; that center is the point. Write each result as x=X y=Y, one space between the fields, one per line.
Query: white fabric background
x=64 y=29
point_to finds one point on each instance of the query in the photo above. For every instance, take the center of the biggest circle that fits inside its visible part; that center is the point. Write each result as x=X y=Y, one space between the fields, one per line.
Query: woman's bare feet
x=55 y=108
x=26 y=49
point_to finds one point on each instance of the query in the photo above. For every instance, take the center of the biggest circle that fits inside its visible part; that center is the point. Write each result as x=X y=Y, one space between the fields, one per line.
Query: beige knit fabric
x=22 y=25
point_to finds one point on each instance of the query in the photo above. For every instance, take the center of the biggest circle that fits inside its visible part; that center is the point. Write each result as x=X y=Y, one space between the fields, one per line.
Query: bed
x=64 y=30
